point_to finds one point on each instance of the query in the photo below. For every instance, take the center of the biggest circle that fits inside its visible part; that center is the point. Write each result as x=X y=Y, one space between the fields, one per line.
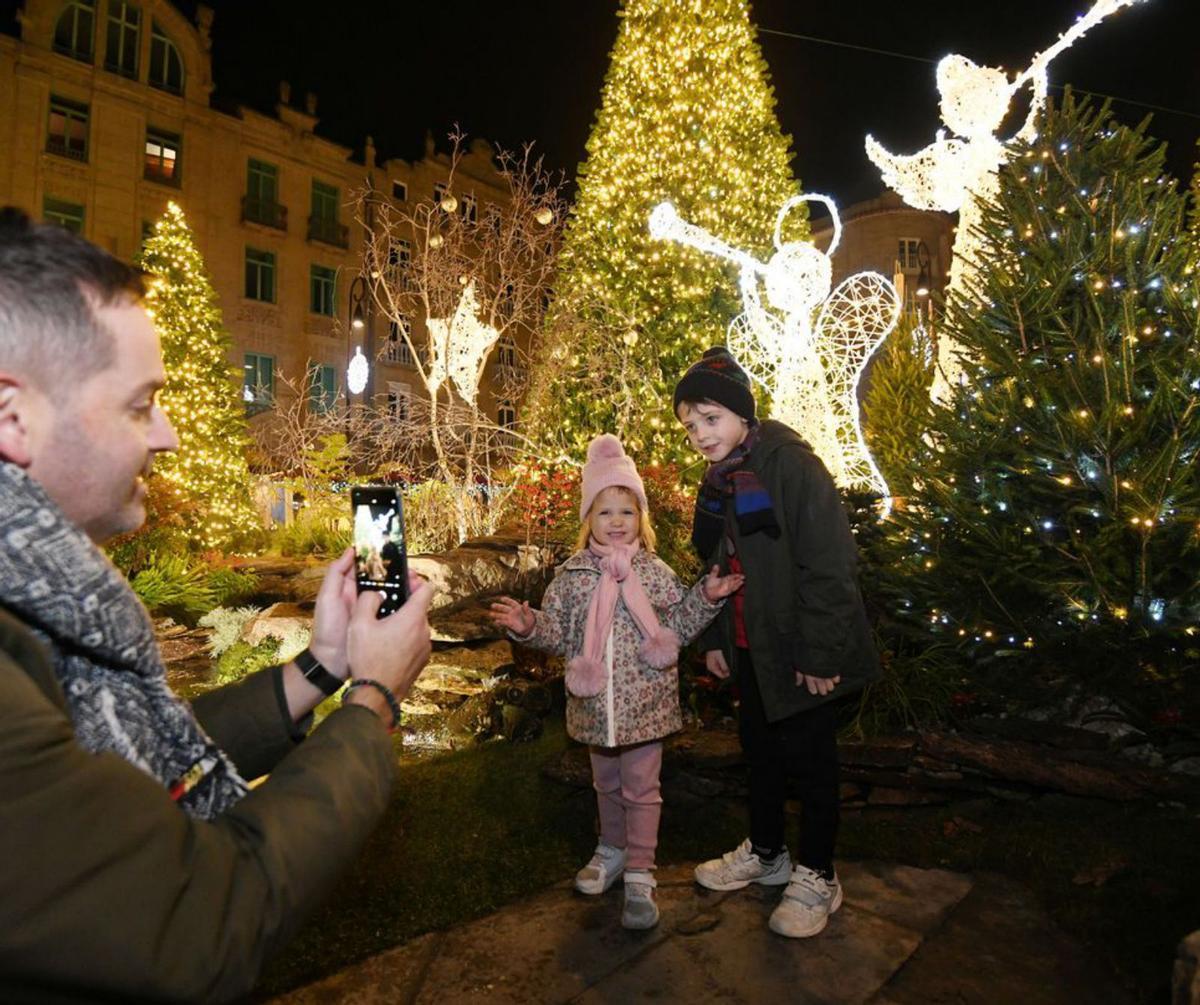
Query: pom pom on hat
x=608 y=466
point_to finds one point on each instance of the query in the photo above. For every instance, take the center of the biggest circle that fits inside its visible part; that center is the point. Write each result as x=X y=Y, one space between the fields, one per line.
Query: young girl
x=619 y=614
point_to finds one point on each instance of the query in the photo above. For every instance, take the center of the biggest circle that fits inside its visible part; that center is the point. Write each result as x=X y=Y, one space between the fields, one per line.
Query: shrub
x=241 y=659
x=170 y=583
x=226 y=626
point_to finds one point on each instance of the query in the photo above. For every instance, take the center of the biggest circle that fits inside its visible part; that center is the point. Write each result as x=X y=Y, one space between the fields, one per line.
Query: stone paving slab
x=904 y=936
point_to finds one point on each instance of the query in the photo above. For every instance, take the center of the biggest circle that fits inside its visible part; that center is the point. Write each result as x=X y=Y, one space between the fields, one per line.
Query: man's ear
x=20 y=409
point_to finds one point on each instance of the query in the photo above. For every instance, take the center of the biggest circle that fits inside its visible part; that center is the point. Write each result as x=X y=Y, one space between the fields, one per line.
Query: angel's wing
x=936 y=178
x=855 y=319
x=756 y=337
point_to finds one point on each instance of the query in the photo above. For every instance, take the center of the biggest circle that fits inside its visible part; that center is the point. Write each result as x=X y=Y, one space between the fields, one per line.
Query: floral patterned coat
x=638 y=703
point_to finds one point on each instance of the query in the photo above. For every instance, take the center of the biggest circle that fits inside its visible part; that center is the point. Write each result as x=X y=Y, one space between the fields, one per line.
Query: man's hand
x=331 y=616
x=717 y=587
x=817 y=685
x=714 y=663
x=517 y=618
x=392 y=650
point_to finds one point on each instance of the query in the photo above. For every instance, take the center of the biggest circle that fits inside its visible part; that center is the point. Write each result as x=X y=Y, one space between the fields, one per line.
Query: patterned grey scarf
x=63 y=587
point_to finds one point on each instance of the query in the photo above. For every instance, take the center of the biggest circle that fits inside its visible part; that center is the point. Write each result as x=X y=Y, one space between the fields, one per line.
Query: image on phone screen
x=379 y=551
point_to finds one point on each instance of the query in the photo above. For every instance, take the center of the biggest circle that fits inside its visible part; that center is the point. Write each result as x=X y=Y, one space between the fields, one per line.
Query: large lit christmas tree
x=201 y=396
x=1054 y=533
x=687 y=115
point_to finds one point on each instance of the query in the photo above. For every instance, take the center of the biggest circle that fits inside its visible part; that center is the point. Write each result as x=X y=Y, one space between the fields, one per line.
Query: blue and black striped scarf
x=751 y=502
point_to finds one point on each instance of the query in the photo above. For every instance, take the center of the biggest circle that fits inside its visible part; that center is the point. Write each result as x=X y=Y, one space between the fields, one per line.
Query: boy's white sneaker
x=640 y=909
x=807 y=903
x=741 y=867
x=603 y=869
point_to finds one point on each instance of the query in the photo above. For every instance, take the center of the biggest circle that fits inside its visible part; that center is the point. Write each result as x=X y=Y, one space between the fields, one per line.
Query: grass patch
x=471 y=831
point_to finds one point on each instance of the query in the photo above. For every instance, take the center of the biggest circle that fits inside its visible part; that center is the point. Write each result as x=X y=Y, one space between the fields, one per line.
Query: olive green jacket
x=109 y=892
x=803 y=609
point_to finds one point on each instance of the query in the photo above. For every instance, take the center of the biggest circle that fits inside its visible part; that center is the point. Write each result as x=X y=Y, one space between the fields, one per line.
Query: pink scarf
x=586 y=672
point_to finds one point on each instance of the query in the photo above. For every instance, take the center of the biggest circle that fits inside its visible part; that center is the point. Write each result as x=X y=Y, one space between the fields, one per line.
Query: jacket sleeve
x=690 y=613
x=109 y=891
x=826 y=562
x=550 y=623
x=249 y=720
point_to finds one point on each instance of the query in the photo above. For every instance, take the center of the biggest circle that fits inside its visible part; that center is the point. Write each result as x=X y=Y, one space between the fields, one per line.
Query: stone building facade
x=105 y=117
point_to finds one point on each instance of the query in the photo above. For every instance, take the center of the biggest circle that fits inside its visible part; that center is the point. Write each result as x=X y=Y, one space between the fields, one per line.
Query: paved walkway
x=904 y=936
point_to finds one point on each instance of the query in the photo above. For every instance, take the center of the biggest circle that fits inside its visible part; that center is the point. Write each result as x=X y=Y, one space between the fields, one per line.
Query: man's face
x=95 y=445
x=712 y=429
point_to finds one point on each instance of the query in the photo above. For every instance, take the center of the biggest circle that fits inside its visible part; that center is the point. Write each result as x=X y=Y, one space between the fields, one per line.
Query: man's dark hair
x=51 y=282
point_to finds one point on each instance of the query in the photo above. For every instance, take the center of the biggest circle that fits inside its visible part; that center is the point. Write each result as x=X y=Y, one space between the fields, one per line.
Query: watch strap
x=313 y=672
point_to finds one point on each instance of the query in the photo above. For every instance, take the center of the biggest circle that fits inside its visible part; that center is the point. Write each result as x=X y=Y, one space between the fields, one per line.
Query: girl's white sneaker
x=640 y=909
x=603 y=869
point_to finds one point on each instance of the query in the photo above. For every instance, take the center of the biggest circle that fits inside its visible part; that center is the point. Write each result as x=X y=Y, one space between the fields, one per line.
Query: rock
x=882 y=796
x=1052 y=734
x=1102 y=715
x=469 y=623
x=486 y=567
x=1185 y=983
x=282 y=621
x=1143 y=753
x=1187 y=766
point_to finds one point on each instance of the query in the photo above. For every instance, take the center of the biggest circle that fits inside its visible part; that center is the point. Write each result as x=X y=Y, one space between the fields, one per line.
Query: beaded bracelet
x=383 y=689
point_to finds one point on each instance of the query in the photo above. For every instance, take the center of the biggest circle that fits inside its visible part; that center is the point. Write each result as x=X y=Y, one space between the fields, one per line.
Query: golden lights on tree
x=200 y=396
x=686 y=114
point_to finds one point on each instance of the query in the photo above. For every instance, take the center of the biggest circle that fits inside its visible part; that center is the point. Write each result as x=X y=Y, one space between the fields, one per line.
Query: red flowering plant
x=546 y=500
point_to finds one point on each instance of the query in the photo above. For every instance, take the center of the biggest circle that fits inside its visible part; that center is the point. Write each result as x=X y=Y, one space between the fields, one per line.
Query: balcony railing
x=328 y=231
x=59 y=145
x=265 y=211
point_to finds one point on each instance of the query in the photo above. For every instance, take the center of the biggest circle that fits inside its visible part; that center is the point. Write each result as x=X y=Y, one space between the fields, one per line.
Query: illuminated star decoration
x=811 y=358
x=459 y=345
x=356 y=372
x=959 y=175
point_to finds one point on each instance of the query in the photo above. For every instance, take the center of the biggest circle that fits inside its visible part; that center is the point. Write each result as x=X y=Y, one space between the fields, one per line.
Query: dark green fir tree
x=1054 y=535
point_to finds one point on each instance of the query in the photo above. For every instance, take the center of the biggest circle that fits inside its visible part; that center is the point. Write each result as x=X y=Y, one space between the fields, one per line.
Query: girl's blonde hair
x=646 y=534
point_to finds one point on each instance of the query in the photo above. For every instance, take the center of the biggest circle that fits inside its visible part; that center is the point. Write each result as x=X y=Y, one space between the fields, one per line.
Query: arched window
x=74 y=35
x=166 y=65
x=506 y=415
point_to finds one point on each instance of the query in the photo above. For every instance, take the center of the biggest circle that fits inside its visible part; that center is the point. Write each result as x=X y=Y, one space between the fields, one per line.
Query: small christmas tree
x=686 y=115
x=1055 y=520
x=201 y=394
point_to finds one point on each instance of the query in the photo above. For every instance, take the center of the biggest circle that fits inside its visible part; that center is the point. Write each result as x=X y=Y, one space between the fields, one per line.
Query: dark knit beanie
x=717 y=377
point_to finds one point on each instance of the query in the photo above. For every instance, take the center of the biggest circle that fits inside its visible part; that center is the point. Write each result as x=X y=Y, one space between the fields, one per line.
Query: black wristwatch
x=317 y=675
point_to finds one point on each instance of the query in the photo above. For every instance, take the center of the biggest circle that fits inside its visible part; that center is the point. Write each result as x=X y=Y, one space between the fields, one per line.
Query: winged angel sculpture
x=809 y=347
x=960 y=173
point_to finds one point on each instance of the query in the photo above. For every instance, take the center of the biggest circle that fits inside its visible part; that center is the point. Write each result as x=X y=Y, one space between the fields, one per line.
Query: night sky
x=533 y=69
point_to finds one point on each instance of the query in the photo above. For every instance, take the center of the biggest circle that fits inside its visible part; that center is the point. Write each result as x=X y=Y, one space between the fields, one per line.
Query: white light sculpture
x=811 y=358
x=356 y=372
x=459 y=345
x=959 y=174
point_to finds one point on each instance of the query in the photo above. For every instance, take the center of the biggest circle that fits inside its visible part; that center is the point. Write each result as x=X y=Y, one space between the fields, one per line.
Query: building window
x=440 y=191
x=323 y=223
x=469 y=208
x=65 y=214
x=506 y=415
x=260 y=275
x=399 y=263
x=400 y=191
x=258 y=381
x=322 y=286
x=147 y=233
x=399 y=399
x=322 y=388
x=166 y=65
x=397 y=350
x=67 y=130
x=74 y=34
x=162 y=156
x=907 y=254
x=121 y=50
x=261 y=201
x=506 y=352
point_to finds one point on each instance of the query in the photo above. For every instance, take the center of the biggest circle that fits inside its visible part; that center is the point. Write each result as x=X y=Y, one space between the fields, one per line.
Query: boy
x=796 y=634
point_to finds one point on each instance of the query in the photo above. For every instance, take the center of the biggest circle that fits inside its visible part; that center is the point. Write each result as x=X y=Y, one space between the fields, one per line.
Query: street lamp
x=358 y=370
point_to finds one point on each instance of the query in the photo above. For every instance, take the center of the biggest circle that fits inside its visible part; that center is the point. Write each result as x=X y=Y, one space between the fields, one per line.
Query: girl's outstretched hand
x=517 y=618
x=718 y=587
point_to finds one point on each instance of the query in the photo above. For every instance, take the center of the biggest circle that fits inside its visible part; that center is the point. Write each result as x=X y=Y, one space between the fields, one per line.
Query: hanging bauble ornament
x=544 y=216
x=435 y=240
x=449 y=204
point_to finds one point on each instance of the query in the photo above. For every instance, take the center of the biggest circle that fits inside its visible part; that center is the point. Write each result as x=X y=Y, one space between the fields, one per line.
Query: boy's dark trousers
x=801 y=749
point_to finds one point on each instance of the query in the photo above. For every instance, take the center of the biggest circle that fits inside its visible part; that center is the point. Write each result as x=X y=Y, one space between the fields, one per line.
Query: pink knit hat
x=607 y=466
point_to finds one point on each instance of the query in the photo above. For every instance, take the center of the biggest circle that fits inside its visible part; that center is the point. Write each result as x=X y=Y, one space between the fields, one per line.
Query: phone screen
x=380 y=557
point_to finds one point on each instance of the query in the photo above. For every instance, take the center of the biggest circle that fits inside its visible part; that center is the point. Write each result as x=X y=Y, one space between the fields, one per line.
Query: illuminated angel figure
x=959 y=174
x=810 y=350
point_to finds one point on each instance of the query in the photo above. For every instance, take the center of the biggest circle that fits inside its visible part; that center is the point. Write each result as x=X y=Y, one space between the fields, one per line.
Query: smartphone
x=380 y=555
